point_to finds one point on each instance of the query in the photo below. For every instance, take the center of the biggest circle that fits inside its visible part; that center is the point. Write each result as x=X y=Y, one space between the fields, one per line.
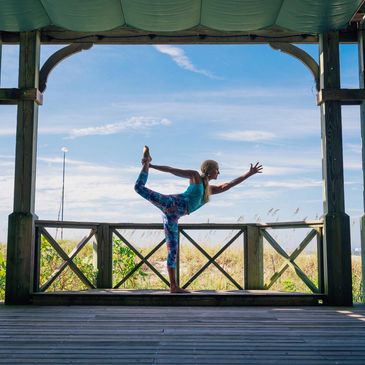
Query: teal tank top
x=194 y=195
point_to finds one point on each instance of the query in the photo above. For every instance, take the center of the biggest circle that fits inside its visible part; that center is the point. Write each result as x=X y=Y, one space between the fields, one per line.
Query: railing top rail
x=295 y=224
x=66 y=224
x=71 y=224
x=275 y=225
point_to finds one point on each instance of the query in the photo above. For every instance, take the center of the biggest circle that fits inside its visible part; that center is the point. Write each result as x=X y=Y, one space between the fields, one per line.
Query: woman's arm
x=193 y=175
x=257 y=169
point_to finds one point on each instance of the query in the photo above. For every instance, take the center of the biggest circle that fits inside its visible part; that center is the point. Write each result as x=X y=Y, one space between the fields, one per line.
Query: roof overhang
x=180 y=21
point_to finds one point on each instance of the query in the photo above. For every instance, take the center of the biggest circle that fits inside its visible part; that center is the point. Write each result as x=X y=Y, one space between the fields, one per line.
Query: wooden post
x=1 y=55
x=20 y=251
x=361 y=47
x=253 y=259
x=178 y=266
x=337 y=245
x=104 y=256
x=37 y=259
x=320 y=259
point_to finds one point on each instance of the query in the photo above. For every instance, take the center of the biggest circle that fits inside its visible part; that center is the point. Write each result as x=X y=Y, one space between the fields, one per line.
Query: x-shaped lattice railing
x=68 y=259
x=289 y=260
x=211 y=259
x=104 y=245
x=144 y=260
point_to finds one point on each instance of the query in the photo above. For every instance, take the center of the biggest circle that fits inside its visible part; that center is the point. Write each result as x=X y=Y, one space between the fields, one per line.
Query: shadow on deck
x=164 y=298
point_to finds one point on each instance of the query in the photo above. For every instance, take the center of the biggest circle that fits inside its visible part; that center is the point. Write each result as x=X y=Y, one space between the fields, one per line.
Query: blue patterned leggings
x=173 y=207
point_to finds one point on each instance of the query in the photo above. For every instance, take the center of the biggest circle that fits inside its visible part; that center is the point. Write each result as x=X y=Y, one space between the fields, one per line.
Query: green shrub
x=289 y=285
x=124 y=261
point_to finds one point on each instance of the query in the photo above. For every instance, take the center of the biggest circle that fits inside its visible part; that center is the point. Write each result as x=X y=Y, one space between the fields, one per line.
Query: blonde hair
x=207 y=167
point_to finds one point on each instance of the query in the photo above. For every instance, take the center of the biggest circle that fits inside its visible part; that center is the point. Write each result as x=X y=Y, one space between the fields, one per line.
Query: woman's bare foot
x=146 y=155
x=174 y=288
x=178 y=290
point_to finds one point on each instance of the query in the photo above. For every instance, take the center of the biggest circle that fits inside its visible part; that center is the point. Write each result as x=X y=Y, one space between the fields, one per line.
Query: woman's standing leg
x=171 y=228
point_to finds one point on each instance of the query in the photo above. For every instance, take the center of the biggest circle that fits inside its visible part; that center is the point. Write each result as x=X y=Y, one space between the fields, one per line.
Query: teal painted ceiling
x=304 y=16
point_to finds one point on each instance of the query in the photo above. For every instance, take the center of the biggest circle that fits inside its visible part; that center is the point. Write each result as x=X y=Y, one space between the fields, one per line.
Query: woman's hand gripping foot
x=146 y=155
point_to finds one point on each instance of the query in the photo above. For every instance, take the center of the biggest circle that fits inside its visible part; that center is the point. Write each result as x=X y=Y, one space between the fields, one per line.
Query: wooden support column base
x=20 y=259
x=338 y=269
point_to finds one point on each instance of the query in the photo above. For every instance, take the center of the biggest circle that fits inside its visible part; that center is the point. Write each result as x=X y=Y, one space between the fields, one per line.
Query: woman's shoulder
x=196 y=178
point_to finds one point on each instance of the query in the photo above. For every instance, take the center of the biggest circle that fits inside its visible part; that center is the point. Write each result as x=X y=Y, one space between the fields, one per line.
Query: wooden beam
x=202 y=298
x=196 y=35
x=21 y=235
x=344 y=96
x=337 y=245
x=15 y=95
x=58 y=57
x=300 y=55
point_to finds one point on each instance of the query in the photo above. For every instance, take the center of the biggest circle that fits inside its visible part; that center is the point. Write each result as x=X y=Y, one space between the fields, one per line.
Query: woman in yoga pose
x=175 y=206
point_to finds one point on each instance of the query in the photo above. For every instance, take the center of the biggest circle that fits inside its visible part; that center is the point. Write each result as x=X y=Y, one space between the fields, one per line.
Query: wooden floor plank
x=182 y=335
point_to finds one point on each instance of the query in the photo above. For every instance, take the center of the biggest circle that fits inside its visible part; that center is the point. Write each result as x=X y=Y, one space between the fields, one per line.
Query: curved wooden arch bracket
x=301 y=56
x=56 y=58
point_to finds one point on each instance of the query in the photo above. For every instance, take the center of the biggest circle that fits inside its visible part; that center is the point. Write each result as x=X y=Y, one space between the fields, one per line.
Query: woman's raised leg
x=161 y=201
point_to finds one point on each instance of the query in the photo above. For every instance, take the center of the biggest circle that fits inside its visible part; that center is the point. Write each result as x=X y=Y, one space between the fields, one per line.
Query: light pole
x=64 y=150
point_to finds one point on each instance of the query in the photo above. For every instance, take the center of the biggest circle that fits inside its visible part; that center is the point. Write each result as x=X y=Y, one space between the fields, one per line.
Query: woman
x=175 y=206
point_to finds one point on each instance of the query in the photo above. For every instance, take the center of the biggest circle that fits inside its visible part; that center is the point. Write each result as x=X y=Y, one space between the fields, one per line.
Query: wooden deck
x=181 y=335
x=164 y=298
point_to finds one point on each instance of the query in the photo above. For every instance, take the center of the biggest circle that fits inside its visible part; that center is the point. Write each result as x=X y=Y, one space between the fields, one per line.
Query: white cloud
x=353 y=165
x=290 y=184
x=294 y=121
x=59 y=160
x=352 y=147
x=281 y=170
x=248 y=136
x=7 y=132
x=11 y=157
x=181 y=59
x=113 y=128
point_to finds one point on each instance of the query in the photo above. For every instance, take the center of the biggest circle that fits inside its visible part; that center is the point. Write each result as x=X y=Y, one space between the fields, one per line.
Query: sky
x=237 y=104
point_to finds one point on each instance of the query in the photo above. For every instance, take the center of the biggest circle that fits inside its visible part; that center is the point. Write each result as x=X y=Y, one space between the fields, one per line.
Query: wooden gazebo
x=280 y=23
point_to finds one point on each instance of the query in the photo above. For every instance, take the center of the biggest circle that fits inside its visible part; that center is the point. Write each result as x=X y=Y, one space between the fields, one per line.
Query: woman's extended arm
x=257 y=169
x=193 y=175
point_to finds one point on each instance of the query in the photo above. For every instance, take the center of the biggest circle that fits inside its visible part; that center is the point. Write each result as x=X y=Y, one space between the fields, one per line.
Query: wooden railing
x=251 y=236
x=289 y=260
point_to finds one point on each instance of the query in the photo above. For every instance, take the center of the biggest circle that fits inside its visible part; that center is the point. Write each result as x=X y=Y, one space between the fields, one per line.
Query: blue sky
x=234 y=104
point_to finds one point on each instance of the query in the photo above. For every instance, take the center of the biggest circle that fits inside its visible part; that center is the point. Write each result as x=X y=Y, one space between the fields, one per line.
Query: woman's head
x=210 y=169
